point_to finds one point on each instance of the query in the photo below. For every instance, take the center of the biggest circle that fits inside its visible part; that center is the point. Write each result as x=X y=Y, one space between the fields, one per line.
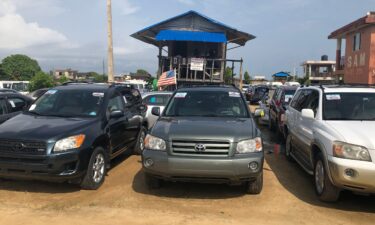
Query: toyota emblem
x=200 y=148
x=18 y=146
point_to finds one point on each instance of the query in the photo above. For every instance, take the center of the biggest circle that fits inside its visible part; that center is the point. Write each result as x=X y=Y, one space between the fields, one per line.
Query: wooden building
x=195 y=46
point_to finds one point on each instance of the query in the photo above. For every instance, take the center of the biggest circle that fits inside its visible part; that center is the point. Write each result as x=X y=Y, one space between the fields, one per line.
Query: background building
x=358 y=63
x=320 y=71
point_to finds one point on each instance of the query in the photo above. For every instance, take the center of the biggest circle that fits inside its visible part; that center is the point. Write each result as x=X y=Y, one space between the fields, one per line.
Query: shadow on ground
x=35 y=186
x=294 y=179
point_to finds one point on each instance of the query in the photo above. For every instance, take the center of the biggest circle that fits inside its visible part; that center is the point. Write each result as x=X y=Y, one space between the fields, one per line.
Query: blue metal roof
x=183 y=35
x=281 y=74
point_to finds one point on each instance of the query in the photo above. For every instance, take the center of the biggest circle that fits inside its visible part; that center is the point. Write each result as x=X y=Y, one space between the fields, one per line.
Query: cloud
x=127 y=7
x=17 y=33
x=187 y=2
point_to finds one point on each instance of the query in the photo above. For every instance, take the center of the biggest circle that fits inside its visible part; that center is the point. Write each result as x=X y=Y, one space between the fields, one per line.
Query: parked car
x=37 y=93
x=205 y=134
x=245 y=88
x=155 y=99
x=278 y=105
x=331 y=135
x=11 y=104
x=264 y=108
x=7 y=90
x=20 y=86
x=257 y=93
x=71 y=133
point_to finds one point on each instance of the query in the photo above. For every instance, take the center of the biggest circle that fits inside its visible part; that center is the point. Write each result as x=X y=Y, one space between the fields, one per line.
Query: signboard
x=197 y=64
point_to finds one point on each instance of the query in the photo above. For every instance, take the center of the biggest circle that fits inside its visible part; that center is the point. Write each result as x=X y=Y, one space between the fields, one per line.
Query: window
x=115 y=104
x=2 y=107
x=160 y=100
x=313 y=102
x=301 y=100
x=17 y=104
x=357 y=42
x=132 y=97
x=293 y=104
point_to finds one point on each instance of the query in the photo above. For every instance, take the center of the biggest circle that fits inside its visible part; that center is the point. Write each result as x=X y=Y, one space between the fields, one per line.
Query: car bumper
x=54 y=167
x=362 y=179
x=202 y=169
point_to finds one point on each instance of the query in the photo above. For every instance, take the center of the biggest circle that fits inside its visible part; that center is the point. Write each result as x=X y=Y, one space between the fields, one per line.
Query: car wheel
x=96 y=171
x=140 y=145
x=255 y=187
x=152 y=182
x=324 y=188
x=288 y=148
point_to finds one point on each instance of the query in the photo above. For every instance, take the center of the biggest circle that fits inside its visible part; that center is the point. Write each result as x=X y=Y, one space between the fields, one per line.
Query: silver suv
x=331 y=135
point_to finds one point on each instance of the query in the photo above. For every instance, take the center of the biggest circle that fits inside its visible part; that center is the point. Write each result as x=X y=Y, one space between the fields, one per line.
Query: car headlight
x=349 y=151
x=154 y=143
x=69 y=143
x=251 y=145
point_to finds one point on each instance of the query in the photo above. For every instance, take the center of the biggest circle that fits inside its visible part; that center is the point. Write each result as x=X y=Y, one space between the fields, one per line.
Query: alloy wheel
x=98 y=168
x=319 y=176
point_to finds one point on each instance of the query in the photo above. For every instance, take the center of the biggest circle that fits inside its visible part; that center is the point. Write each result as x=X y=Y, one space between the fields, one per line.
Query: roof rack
x=75 y=83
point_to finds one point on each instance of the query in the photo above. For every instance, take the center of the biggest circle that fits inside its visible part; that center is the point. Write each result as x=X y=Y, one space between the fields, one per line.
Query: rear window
x=159 y=100
x=207 y=104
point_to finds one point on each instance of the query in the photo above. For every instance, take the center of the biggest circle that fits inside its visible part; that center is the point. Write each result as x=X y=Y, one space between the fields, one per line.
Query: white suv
x=331 y=134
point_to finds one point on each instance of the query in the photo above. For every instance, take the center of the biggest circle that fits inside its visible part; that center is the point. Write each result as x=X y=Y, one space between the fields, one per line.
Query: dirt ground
x=287 y=198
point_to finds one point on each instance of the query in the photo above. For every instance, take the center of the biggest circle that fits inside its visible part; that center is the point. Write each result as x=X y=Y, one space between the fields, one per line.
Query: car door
x=273 y=105
x=134 y=113
x=117 y=126
x=299 y=138
x=307 y=124
x=3 y=111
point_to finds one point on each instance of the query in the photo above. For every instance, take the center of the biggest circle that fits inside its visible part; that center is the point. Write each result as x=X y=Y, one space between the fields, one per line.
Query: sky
x=73 y=33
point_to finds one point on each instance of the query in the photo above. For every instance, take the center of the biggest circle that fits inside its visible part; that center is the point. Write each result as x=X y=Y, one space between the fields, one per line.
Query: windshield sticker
x=12 y=104
x=98 y=94
x=51 y=92
x=180 y=95
x=32 y=107
x=333 y=97
x=234 y=94
x=288 y=97
x=92 y=114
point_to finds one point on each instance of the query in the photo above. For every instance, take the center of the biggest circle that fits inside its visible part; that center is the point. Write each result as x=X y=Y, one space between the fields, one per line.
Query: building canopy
x=191 y=26
x=281 y=75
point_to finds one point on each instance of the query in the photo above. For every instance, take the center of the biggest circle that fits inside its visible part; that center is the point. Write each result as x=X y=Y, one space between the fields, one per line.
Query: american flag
x=167 y=78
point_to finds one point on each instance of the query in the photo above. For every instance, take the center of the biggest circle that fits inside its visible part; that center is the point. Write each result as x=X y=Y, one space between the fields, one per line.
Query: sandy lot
x=287 y=198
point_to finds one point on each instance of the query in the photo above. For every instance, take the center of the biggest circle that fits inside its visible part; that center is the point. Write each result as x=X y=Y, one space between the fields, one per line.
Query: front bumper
x=53 y=167
x=362 y=179
x=202 y=169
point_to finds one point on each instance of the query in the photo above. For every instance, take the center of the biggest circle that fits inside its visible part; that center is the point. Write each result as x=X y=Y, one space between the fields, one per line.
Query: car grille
x=22 y=147
x=197 y=147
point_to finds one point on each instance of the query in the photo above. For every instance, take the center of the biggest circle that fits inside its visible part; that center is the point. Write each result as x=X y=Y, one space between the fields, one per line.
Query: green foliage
x=19 y=67
x=142 y=72
x=98 y=78
x=303 y=80
x=41 y=80
x=228 y=76
x=62 y=79
x=247 y=78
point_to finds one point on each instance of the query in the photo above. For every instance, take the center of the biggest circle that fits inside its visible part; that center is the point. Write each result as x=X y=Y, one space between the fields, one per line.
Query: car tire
x=255 y=187
x=96 y=170
x=288 y=148
x=140 y=145
x=324 y=188
x=152 y=182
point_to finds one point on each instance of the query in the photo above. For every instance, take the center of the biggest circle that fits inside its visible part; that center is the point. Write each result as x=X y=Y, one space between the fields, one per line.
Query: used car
x=12 y=104
x=155 y=99
x=330 y=134
x=205 y=134
x=71 y=133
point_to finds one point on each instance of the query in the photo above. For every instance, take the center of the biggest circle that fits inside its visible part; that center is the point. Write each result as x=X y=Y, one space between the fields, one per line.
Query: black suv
x=12 y=104
x=71 y=133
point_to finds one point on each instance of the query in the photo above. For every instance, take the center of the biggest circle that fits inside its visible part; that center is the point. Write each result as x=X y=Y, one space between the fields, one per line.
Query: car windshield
x=207 y=104
x=349 y=106
x=68 y=103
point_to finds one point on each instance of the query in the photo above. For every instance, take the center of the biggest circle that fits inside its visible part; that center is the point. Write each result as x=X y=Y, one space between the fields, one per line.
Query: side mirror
x=259 y=113
x=116 y=114
x=155 y=111
x=308 y=113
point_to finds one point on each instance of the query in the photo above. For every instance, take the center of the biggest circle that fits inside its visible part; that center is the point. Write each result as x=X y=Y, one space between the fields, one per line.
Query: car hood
x=355 y=132
x=207 y=128
x=30 y=127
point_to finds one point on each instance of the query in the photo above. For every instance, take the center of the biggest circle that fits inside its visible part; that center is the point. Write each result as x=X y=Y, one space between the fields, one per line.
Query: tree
x=19 y=67
x=142 y=72
x=41 y=80
x=63 y=79
x=228 y=76
x=247 y=77
x=98 y=78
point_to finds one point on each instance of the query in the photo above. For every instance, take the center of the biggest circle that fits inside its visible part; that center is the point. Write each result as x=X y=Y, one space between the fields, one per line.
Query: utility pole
x=103 y=69
x=110 y=42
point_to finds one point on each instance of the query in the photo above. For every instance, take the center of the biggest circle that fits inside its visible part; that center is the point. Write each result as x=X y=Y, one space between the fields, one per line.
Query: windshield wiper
x=34 y=113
